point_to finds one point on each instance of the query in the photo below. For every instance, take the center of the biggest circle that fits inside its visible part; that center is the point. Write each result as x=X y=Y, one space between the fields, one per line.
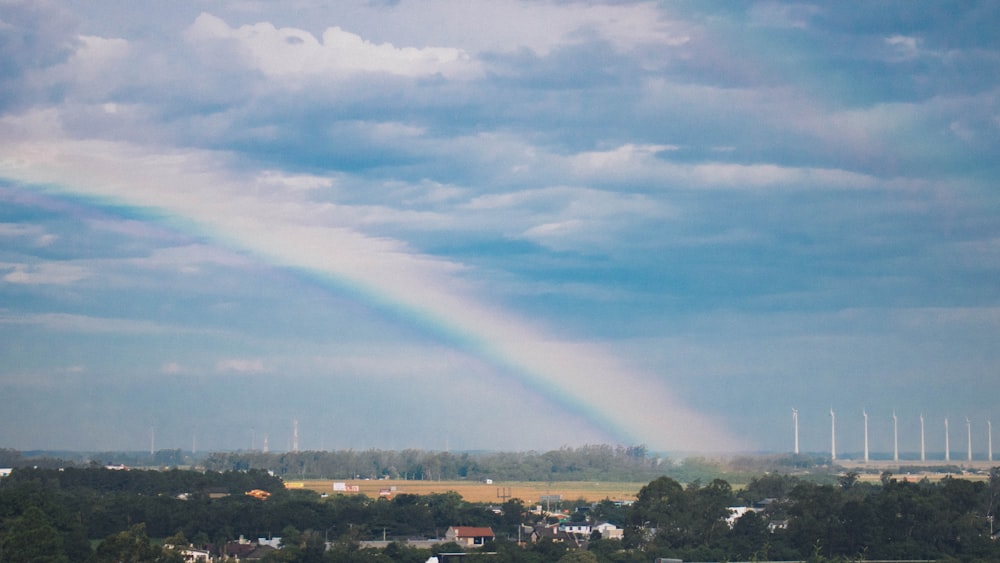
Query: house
x=260 y=553
x=609 y=531
x=469 y=535
x=556 y=533
x=189 y=554
x=581 y=528
x=237 y=550
x=735 y=513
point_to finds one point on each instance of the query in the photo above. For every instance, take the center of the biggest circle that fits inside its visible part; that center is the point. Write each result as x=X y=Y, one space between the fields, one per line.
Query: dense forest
x=98 y=514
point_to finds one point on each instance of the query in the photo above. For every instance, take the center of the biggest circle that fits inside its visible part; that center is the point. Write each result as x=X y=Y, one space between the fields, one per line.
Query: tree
x=709 y=507
x=578 y=556
x=661 y=505
x=32 y=538
x=132 y=546
x=749 y=536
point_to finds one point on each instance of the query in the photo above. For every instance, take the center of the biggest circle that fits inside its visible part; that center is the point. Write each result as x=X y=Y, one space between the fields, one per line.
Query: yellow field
x=528 y=491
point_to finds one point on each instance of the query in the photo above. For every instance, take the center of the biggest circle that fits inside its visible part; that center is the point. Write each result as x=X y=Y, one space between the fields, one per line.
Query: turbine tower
x=895 y=437
x=833 y=435
x=968 y=431
x=947 y=448
x=865 y=414
x=266 y=447
x=989 y=440
x=923 y=450
x=795 y=423
x=295 y=435
x=152 y=440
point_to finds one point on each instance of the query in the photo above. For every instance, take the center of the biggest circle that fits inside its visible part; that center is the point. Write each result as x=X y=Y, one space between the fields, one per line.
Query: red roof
x=472 y=532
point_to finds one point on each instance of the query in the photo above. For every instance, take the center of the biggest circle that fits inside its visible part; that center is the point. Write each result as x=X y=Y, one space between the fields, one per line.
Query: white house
x=581 y=528
x=609 y=531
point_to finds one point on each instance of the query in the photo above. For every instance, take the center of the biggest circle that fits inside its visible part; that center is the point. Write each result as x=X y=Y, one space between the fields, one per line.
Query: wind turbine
x=947 y=448
x=795 y=423
x=989 y=440
x=923 y=450
x=865 y=414
x=895 y=437
x=968 y=430
x=833 y=435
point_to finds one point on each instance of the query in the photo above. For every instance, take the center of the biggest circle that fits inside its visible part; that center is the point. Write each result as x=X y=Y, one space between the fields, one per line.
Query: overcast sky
x=498 y=224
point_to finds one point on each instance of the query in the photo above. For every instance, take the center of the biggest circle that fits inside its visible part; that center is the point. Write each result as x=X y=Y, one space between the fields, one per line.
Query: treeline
x=951 y=520
x=586 y=463
x=56 y=515
x=74 y=506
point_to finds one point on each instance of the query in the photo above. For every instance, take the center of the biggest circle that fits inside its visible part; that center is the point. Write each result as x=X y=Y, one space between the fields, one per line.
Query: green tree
x=32 y=538
x=661 y=505
x=132 y=546
x=749 y=537
x=578 y=556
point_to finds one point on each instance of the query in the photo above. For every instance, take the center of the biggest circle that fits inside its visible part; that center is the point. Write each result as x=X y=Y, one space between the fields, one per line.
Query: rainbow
x=202 y=193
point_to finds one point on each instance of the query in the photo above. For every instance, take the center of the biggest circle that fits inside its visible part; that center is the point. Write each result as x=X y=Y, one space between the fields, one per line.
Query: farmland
x=531 y=492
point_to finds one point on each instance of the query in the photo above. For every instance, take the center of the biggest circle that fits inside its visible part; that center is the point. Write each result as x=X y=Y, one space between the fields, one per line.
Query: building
x=189 y=554
x=469 y=535
x=609 y=531
x=580 y=528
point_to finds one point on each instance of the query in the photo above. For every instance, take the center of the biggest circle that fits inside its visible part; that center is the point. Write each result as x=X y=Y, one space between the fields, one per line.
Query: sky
x=498 y=225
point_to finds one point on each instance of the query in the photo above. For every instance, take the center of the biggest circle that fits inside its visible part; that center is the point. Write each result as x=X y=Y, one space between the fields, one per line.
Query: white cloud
x=44 y=273
x=287 y=52
x=643 y=164
x=37 y=233
x=89 y=324
x=304 y=182
x=904 y=47
x=189 y=258
x=240 y=365
x=512 y=25
x=565 y=217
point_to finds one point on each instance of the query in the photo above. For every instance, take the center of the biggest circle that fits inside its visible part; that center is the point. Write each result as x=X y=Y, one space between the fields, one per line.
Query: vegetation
x=586 y=463
x=96 y=514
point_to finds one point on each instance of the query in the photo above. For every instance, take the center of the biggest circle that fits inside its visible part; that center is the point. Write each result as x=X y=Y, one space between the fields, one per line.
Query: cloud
x=289 y=52
x=67 y=322
x=45 y=273
x=240 y=365
x=40 y=238
x=34 y=35
x=193 y=186
x=520 y=187
x=905 y=47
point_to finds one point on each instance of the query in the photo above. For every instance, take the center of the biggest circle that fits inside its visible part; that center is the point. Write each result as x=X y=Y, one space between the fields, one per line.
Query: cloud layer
x=660 y=224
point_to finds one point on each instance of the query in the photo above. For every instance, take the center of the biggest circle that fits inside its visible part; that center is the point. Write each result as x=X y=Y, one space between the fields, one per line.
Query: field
x=531 y=492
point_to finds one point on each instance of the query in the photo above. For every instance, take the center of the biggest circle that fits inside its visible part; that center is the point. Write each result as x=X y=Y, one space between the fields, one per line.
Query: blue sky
x=498 y=225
